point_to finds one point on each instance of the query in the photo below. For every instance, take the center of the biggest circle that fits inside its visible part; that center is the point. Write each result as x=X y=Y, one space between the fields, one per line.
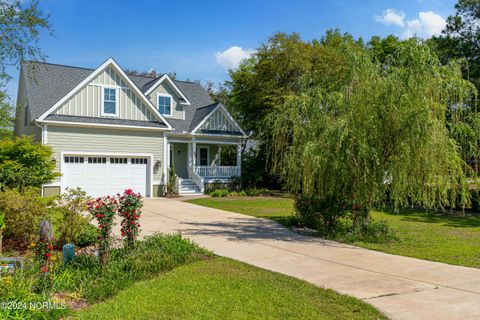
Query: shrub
x=172 y=181
x=104 y=210
x=130 y=209
x=25 y=163
x=87 y=236
x=70 y=223
x=254 y=192
x=219 y=193
x=23 y=212
x=374 y=232
x=320 y=214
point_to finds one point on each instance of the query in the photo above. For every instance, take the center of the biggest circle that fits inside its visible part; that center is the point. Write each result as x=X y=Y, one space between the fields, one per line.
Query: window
x=74 y=159
x=97 y=160
x=139 y=161
x=109 y=102
x=203 y=157
x=165 y=105
x=118 y=160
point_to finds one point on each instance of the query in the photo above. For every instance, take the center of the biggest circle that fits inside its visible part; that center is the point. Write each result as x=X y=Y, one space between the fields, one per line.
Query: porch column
x=194 y=155
x=239 y=159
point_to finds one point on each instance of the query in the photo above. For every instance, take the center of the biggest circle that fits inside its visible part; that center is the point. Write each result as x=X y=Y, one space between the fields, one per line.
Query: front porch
x=200 y=163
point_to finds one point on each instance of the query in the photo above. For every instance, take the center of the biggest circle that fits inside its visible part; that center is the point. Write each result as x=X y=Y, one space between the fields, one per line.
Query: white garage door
x=105 y=175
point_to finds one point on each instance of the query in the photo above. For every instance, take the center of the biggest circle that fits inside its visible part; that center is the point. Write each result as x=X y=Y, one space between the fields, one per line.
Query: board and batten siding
x=178 y=110
x=104 y=141
x=88 y=101
x=219 y=121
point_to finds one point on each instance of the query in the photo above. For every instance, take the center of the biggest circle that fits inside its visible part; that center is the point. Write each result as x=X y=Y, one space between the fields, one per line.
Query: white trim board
x=172 y=84
x=229 y=116
x=110 y=62
x=100 y=125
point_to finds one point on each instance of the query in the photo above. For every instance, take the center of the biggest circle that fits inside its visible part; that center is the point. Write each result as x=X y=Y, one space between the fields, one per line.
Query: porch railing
x=217 y=171
x=197 y=179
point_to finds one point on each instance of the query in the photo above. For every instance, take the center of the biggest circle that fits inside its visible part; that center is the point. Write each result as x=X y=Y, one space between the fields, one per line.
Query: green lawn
x=220 y=288
x=444 y=238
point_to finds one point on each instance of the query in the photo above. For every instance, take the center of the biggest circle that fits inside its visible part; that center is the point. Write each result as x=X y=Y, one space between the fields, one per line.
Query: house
x=110 y=131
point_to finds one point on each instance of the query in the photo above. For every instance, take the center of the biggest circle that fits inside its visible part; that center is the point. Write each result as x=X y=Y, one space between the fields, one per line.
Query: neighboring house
x=110 y=131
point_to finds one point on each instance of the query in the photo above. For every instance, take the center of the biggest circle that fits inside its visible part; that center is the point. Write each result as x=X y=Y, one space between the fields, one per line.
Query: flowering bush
x=103 y=210
x=43 y=252
x=130 y=209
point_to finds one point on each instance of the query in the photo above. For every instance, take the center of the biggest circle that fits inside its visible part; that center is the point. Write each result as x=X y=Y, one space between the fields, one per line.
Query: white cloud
x=392 y=17
x=426 y=25
x=232 y=57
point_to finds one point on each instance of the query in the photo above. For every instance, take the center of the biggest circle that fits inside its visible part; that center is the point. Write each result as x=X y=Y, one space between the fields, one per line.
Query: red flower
x=132 y=222
x=47 y=255
x=44 y=269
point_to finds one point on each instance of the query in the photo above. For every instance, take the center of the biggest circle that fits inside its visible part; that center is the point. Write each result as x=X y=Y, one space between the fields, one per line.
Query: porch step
x=189 y=187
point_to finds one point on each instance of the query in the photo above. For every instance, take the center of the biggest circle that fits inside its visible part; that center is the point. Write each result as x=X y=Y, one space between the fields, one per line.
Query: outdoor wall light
x=53 y=161
x=156 y=166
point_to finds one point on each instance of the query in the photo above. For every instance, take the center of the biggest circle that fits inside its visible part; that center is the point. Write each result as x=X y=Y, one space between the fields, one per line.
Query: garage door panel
x=101 y=176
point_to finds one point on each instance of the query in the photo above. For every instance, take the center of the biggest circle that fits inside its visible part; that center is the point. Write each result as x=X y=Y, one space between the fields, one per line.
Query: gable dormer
x=167 y=98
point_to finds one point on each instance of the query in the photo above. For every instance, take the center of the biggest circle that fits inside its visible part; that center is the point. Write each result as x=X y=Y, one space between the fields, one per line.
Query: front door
x=203 y=156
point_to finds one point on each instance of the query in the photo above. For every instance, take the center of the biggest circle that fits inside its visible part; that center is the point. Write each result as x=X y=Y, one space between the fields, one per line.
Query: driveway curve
x=401 y=287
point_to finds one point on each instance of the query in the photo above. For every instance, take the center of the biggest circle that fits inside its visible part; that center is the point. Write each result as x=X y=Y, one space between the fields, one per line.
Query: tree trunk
x=366 y=217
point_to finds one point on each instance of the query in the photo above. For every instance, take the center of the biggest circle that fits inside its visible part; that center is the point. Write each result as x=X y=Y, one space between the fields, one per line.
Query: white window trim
x=117 y=91
x=171 y=104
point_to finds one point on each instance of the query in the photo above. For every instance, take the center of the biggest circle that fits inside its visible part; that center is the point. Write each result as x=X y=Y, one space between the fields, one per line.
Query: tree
x=25 y=163
x=461 y=39
x=20 y=27
x=6 y=117
x=379 y=134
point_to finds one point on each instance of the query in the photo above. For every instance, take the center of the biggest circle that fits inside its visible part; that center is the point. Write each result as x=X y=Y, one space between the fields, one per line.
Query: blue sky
x=201 y=39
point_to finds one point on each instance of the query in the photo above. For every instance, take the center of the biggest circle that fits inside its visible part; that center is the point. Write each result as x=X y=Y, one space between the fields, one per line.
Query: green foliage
x=374 y=232
x=381 y=129
x=70 y=223
x=23 y=212
x=87 y=236
x=87 y=278
x=21 y=24
x=254 y=192
x=219 y=193
x=25 y=163
x=172 y=181
x=461 y=39
x=321 y=214
x=130 y=209
x=6 y=117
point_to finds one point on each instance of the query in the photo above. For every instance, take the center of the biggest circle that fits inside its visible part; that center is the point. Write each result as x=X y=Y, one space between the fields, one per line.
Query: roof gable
x=218 y=121
x=129 y=104
x=110 y=63
x=151 y=86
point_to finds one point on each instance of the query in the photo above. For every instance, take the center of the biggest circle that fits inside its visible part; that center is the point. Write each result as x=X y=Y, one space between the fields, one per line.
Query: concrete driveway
x=403 y=288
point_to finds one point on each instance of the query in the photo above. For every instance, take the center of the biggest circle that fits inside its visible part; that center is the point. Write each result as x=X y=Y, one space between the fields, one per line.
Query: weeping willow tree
x=383 y=131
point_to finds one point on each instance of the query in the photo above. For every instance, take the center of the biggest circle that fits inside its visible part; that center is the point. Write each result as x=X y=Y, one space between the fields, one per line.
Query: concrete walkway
x=401 y=287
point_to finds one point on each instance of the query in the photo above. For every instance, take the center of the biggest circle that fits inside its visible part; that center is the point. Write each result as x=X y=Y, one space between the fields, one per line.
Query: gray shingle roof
x=47 y=83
